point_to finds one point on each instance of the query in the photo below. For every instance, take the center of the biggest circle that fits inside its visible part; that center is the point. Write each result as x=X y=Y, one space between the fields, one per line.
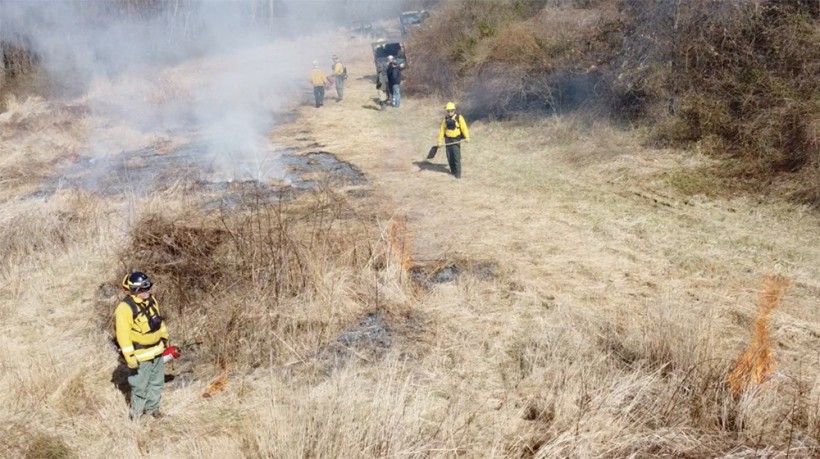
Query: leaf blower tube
x=170 y=353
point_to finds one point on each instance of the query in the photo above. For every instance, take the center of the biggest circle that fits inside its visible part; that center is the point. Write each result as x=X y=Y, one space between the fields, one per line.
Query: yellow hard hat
x=450 y=106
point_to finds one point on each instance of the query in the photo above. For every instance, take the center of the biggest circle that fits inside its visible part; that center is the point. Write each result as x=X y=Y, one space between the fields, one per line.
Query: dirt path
x=575 y=215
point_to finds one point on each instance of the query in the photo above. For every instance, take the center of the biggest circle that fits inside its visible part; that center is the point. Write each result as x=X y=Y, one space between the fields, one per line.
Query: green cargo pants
x=146 y=387
x=319 y=95
x=454 y=155
x=340 y=87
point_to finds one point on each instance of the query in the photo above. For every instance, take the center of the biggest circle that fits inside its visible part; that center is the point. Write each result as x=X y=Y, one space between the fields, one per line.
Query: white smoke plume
x=213 y=73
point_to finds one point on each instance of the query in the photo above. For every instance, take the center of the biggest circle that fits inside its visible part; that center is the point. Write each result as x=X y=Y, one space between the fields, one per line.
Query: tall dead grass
x=608 y=329
x=267 y=286
x=736 y=77
x=34 y=231
x=20 y=71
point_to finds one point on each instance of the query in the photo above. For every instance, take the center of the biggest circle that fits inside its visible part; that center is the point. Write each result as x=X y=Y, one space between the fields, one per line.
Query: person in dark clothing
x=382 y=86
x=394 y=80
x=452 y=131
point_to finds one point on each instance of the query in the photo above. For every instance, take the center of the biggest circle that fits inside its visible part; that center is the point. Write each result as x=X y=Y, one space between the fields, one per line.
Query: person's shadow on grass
x=428 y=166
x=120 y=380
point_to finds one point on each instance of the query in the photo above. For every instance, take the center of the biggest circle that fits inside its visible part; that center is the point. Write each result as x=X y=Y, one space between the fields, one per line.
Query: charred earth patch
x=451 y=271
x=269 y=178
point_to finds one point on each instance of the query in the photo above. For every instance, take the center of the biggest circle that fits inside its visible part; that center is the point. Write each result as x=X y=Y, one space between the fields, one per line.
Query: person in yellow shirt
x=318 y=79
x=340 y=75
x=452 y=131
x=142 y=338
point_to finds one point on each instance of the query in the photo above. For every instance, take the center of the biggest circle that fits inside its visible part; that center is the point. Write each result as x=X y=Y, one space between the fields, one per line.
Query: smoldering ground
x=156 y=74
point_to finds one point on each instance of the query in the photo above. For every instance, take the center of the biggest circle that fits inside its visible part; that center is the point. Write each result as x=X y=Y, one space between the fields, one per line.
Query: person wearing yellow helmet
x=143 y=338
x=318 y=79
x=340 y=75
x=452 y=131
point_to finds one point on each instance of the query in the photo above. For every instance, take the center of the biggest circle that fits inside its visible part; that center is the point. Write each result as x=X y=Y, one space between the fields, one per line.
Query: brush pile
x=241 y=284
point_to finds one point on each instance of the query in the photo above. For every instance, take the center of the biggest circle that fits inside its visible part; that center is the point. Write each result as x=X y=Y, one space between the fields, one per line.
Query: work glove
x=131 y=361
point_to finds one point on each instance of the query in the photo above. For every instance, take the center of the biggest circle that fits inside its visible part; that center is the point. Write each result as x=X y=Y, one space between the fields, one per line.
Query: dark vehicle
x=410 y=19
x=382 y=49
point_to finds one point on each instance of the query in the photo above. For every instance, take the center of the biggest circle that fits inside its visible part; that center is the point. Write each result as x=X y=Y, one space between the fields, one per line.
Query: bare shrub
x=260 y=286
x=515 y=56
x=736 y=74
x=19 y=68
x=740 y=75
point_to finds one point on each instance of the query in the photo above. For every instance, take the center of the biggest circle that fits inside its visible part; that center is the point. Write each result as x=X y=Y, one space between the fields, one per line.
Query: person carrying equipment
x=318 y=79
x=340 y=74
x=382 y=86
x=451 y=133
x=394 y=81
x=143 y=341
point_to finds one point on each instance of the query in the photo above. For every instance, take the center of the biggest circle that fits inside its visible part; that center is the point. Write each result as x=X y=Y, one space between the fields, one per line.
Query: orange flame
x=756 y=363
x=218 y=384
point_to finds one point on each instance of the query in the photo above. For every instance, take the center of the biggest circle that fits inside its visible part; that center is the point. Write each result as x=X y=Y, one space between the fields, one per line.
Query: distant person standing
x=340 y=74
x=318 y=79
x=452 y=131
x=394 y=80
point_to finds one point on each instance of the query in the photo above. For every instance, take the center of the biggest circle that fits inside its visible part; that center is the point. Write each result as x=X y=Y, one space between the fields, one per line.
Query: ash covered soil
x=155 y=169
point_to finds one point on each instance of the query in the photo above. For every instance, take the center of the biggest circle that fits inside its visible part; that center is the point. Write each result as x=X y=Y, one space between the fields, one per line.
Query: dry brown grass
x=735 y=78
x=240 y=268
x=608 y=329
x=35 y=138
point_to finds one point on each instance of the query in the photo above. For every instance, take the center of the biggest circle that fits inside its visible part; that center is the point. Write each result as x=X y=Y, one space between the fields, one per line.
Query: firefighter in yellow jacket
x=318 y=79
x=451 y=133
x=142 y=338
x=339 y=75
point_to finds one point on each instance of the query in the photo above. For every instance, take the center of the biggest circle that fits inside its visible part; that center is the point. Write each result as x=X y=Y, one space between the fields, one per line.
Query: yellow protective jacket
x=132 y=319
x=459 y=130
x=338 y=69
x=317 y=77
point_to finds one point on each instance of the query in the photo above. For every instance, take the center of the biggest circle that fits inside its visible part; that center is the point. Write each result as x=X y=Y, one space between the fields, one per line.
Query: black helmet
x=137 y=282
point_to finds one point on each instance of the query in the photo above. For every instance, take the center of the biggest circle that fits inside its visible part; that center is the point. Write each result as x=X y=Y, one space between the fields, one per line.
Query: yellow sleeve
x=462 y=124
x=441 y=133
x=123 y=319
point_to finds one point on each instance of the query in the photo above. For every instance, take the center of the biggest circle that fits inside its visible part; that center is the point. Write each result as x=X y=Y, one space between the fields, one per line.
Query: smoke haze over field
x=210 y=72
